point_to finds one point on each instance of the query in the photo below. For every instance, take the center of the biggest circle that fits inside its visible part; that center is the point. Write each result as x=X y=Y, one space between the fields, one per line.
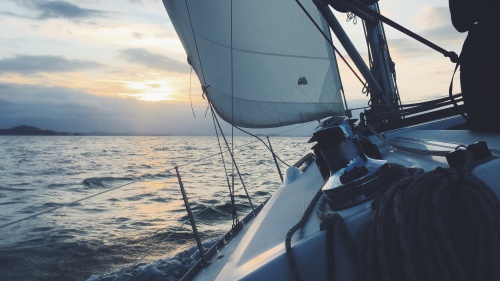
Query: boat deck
x=258 y=252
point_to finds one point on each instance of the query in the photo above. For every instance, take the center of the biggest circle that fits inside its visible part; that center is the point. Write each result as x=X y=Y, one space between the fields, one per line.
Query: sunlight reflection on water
x=110 y=231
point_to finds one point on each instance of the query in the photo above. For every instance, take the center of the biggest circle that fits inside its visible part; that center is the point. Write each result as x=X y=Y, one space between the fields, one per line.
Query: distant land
x=26 y=130
x=33 y=131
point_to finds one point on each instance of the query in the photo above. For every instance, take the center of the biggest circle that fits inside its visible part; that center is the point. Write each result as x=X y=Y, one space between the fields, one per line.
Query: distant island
x=33 y=131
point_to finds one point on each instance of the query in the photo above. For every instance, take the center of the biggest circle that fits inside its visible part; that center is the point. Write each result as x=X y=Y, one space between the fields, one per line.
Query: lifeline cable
x=66 y=204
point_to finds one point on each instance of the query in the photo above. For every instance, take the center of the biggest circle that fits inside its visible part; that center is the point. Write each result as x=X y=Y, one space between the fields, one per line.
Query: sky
x=118 y=66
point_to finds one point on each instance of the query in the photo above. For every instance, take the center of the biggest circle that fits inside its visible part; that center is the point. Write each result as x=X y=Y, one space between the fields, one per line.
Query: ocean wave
x=104 y=182
x=173 y=267
x=15 y=189
x=101 y=182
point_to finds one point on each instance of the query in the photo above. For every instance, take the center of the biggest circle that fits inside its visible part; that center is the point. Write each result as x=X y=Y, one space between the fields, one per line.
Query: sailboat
x=392 y=195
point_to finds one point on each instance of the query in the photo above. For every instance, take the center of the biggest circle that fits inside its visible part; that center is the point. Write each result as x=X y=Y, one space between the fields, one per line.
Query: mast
x=380 y=74
x=382 y=64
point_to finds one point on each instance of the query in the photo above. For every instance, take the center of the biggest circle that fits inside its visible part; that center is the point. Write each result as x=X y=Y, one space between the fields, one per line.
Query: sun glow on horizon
x=150 y=91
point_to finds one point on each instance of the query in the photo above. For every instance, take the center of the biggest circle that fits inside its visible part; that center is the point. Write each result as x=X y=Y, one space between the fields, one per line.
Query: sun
x=150 y=90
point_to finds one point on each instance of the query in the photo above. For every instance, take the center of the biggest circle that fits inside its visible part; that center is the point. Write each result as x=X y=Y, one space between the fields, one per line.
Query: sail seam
x=261 y=53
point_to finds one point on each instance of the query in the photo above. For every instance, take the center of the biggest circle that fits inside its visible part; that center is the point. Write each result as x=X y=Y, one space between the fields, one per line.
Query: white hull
x=258 y=251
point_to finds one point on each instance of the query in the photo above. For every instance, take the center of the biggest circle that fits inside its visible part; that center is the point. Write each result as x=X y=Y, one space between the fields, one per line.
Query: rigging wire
x=231 y=190
x=232 y=117
x=234 y=162
x=392 y=67
x=328 y=39
x=261 y=140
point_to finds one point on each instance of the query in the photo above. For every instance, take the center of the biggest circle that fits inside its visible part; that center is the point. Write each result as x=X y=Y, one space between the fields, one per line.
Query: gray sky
x=118 y=66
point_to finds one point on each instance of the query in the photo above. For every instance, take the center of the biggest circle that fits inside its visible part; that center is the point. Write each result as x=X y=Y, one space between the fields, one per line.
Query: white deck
x=258 y=252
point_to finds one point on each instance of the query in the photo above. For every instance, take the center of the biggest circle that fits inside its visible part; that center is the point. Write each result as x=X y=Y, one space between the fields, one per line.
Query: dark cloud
x=138 y=35
x=11 y=14
x=60 y=9
x=25 y=64
x=44 y=9
x=154 y=60
x=69 y=110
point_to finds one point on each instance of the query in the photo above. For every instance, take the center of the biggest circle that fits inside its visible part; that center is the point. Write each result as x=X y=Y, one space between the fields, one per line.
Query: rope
x=351 y=16
x=325 y=214
x=301 y=223
x=451 y=96
x=439 y=225
x=190 y=100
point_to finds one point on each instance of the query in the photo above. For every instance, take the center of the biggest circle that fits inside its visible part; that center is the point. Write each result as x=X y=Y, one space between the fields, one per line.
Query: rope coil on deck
x=439 y=225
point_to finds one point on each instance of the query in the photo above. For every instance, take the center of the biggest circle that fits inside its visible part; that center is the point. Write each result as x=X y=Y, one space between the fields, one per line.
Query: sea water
x=110 y=207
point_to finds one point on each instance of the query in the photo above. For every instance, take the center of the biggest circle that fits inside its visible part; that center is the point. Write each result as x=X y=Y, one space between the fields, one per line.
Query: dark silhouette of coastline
x=33 y=131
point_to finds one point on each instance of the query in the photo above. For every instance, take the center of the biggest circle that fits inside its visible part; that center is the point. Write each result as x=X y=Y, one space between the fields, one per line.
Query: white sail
x=264 y=62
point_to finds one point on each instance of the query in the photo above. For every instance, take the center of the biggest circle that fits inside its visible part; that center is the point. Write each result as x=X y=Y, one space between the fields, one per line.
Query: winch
x=353 y=177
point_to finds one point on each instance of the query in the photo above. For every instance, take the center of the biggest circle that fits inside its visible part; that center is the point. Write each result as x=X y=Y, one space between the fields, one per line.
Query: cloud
x=56 y=10
x=68 y=110
x=435 y=25
x=407 y=48
x=138 y=35
x=11 y=14
x=431 y=17
x=25 y=64
x=154 y=60
x=142 y=2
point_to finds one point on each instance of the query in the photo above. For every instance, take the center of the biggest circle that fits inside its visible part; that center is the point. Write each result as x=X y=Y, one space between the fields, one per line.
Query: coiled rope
x=439 y=225
x=297 y=226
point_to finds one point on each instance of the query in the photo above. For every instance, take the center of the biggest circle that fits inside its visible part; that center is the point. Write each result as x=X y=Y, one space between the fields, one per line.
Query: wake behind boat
x=395 y=195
